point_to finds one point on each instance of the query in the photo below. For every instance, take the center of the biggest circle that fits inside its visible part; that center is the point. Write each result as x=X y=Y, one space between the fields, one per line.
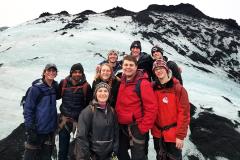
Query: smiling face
x=135 y=52
x=112 y=57
x=76 y=75
x=102 y=95
x=129 y=69
x=157 y=55
x=105 y=72
x=161 y=73
x=50 y=74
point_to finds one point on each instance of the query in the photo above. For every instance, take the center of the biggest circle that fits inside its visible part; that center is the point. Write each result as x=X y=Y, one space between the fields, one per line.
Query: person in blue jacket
x=40 y=116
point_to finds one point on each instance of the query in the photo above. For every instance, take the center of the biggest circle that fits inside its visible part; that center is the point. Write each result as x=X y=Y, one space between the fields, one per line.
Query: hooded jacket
x=173 y=107
x=97 y=132
x=129 y=106
x=41 y=116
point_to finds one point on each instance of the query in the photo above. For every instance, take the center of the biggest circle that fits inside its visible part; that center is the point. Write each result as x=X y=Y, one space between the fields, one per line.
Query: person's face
x=77 y=75
x=135 y=52
x=129 y=68
x=160 y=72
x=157 y=55
x=105 y=73
x=112 y=57
x=102 y=95
x=50 y=74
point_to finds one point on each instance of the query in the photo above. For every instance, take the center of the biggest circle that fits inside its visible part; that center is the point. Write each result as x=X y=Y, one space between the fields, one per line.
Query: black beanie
x=156 y=49
x=136 y=44
x=75 y=67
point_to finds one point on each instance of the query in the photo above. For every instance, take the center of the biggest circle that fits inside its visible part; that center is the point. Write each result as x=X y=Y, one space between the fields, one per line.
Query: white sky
x=14 y=12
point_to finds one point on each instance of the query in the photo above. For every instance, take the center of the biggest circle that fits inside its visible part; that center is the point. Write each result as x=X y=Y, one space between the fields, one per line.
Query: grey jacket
x=97 y=132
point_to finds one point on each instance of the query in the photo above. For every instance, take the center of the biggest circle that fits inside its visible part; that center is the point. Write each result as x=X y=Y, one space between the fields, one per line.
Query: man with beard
x=76 y=94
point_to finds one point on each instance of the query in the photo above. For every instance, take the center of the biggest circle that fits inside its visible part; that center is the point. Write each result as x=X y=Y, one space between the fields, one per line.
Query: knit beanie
x=75 y=67
x=101 y=85
x=136 y=44
x=160 y=63
x=112 y=51
x=156 y=49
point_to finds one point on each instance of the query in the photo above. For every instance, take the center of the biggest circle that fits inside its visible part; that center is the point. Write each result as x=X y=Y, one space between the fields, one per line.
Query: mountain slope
x=206 y=49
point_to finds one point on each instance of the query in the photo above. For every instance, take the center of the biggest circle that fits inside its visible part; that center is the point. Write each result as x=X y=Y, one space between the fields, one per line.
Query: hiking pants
x=169 y=148
x=42 y=150
x=64 y=140
x=126 y=142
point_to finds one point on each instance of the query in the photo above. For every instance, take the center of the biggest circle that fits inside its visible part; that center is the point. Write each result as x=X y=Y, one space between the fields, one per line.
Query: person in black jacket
x=157 y=53
x=105 y=74
x=144 y=60
x=97 y=137
x=76 y=94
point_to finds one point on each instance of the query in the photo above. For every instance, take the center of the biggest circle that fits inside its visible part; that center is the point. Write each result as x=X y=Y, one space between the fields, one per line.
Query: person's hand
x=179 y=143
x=32 y=136
x=114 y=156
x=98 y=68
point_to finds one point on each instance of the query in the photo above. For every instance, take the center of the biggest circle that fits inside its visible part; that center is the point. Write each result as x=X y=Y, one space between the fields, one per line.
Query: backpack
x=138 y=91
x=39 y=97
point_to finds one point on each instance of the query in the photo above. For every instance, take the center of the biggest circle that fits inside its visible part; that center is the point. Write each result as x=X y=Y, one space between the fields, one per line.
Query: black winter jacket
x=145 y=62
x=73 y=98
x=115 y=83
x=175 y=71
x=97 y=132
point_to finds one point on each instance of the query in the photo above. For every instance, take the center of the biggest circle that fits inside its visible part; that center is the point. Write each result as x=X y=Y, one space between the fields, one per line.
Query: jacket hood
x=173 y=81
x=40 y=83
x=80 y=82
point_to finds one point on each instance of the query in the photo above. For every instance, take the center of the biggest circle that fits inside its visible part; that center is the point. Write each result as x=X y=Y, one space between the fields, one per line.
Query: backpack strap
x=138 y=91
x=84 y=86
x=64 y=86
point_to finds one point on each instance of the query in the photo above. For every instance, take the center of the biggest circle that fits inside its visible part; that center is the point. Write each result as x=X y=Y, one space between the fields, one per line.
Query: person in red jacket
x=173 y=115
x=136 y=112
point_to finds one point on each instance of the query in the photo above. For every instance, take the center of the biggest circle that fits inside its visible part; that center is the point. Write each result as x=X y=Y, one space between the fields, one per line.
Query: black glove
x=32 y=137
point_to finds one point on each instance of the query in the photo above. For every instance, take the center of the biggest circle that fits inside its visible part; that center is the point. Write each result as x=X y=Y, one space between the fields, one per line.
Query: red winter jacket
x=173 y=107
x=128 y=106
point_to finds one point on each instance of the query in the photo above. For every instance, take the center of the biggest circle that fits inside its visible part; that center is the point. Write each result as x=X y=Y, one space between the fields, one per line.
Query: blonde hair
x=98 y=74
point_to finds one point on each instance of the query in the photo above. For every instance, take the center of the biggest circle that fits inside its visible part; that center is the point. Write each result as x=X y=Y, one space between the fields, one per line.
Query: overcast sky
x=14 y=12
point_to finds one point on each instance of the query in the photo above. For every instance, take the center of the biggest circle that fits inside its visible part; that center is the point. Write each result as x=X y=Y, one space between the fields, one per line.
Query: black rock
x=214 y=136
x=118 y=12
x=45 y=14
x=86 y=12
x=12 y=147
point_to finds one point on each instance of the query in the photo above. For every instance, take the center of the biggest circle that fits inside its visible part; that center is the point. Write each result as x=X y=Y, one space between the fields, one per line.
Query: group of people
x=112 y=115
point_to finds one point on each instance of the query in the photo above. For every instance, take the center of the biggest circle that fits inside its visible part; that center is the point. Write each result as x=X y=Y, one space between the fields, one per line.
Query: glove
x=114 y=156
x=32 y=137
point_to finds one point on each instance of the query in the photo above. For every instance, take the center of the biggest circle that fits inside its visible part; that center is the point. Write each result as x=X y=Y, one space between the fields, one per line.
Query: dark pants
x=170 y=149
x=105 y=157
x=64 y=139
x=42 y=150
x=137 y=149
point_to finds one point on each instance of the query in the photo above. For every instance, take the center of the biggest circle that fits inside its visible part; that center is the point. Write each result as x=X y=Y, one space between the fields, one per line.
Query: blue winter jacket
x=41 y=116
